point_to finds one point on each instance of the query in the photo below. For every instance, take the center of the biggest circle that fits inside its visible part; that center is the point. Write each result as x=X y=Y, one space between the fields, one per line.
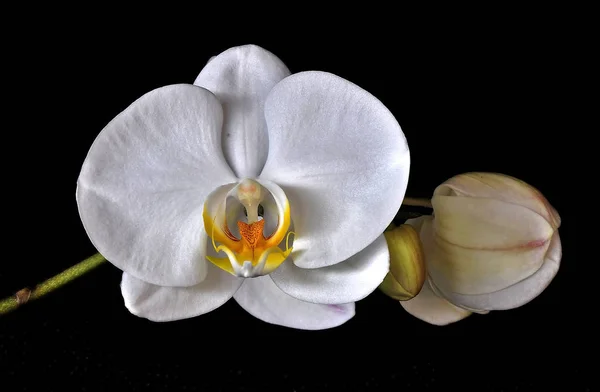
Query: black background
x=470 y=97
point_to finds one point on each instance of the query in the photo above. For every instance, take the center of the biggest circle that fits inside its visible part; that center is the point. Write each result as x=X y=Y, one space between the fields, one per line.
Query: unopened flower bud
x=491 y=244
x=407 y=266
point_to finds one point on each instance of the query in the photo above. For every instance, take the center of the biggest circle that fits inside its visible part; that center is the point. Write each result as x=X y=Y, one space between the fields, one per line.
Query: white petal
x=142 y=186
x=342 y=160
x=500 y=187
x=489 y=224
x=241 y=77
x=519 y=293
x=159 y=303
x=349 y=281
x=433 y=309
x=480 y=251
x=261 y=298
x=513 y=296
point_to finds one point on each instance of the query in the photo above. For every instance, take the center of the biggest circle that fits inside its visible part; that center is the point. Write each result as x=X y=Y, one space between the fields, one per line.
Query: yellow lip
x=254 y=253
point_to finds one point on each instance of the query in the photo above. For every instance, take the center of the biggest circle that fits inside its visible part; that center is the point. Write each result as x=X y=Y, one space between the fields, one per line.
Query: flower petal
x=519 y=293
x=159 y=303
x=262 y=298
x=501 y=187
x=241 y=77
x=142 y=186
x=489 y=224
x=342 y=160
x=432 y=309
x=345 y=282
x=482 y=245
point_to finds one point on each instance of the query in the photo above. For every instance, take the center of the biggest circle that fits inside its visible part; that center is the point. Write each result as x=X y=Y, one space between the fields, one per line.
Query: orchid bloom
x=252 y=183
x=492 y=244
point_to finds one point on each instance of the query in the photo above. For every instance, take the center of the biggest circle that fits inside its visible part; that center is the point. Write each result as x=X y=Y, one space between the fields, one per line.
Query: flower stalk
x=417 y=202
x=26 y=295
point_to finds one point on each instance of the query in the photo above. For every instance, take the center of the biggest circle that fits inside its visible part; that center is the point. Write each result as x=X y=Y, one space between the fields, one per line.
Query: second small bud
x=407 y=264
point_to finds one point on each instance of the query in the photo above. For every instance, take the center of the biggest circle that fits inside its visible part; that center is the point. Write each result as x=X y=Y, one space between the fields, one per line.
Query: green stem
x=25 y=295
x=417 y=202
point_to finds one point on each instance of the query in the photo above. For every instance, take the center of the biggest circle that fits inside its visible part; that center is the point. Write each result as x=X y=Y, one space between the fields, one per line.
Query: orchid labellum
x=252 y=183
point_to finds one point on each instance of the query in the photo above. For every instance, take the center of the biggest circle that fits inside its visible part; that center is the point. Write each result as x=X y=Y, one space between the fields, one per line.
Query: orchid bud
x=407 y=266
x=491 y=244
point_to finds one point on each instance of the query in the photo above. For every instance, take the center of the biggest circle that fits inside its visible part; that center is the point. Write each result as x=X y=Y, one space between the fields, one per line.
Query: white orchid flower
x=194 y=190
